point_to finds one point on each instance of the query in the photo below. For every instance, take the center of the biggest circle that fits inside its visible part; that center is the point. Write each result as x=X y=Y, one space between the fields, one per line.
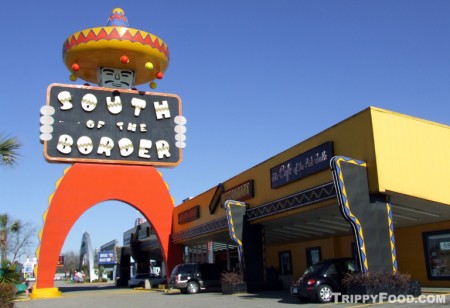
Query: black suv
x=322 y=279
x=192 y=277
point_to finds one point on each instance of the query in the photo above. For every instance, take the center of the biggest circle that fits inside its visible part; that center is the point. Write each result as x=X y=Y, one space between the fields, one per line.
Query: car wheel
x=192 y=287
x=324 y=293
x=184 y=291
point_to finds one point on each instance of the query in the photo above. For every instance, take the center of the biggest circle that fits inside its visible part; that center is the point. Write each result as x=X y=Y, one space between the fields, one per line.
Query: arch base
x=45 y=293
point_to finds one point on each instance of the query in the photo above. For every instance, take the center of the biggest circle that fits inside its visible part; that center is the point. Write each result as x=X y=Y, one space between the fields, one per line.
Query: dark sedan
x=322 y=279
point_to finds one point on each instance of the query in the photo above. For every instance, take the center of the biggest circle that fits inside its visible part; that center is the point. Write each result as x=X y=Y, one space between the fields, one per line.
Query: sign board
x=107 y=257
x=28 y=267
x=300 y=166
x=116 y=126
x=189 y=215
x=216 y=198
x=60 y=261
x=240 y=192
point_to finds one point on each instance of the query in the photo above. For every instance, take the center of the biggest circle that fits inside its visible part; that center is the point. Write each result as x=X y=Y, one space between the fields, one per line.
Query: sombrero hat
x=116 y=46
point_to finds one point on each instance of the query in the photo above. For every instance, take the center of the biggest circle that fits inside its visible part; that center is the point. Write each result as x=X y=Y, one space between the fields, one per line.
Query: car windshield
x=351 y=266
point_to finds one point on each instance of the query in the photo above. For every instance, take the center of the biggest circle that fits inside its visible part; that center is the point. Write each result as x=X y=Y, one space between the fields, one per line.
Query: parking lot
x=107 y=295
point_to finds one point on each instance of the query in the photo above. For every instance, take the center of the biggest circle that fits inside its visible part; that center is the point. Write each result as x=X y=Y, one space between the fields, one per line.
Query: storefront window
x=437 y=254
x=224 y=254
x=313 y=255
x=285 y=263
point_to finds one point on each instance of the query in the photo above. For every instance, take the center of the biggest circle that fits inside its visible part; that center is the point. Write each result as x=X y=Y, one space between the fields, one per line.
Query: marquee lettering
x=125 y=146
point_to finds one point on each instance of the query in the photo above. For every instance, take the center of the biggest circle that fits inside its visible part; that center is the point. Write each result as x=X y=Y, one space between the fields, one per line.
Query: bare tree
x=16 y=238
x=71 y=261
x=22 y=241
x=8 y=226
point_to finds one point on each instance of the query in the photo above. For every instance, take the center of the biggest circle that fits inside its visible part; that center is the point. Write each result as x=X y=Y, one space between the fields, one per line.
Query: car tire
x=324 y=293
x=192 y=287
x=184 y=291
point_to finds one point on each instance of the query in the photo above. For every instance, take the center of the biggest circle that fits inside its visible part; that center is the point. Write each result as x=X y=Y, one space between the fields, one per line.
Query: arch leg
x=85 y=185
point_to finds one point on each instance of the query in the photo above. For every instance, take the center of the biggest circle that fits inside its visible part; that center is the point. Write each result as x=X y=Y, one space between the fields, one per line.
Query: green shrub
x=7 y=294
x=8 y=273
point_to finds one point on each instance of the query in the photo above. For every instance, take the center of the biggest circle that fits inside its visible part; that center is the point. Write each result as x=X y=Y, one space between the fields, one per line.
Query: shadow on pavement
x=69 y=287
x=284 y=297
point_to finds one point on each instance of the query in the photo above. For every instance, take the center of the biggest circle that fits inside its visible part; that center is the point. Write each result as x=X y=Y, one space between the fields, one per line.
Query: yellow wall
x=351 y=137
x=334 y=247
x=410 y=252
x=203 y=200
x=404 y=154
x=412 y=156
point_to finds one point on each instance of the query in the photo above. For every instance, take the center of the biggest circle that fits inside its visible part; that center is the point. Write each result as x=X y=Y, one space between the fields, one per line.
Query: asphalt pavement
x=107 y=295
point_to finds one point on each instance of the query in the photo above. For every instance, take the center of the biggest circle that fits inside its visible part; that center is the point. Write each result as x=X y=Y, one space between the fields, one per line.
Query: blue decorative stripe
x=391 y=235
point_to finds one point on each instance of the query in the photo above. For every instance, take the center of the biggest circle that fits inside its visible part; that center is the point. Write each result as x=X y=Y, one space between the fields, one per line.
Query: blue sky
x=255 y=77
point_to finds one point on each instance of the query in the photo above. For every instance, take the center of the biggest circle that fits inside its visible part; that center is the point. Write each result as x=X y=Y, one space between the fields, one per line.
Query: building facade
x=293 y=217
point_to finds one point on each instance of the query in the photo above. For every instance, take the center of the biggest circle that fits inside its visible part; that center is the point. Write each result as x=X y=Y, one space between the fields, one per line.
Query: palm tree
x=8 y=150
x=8 y=273
x=6 y=228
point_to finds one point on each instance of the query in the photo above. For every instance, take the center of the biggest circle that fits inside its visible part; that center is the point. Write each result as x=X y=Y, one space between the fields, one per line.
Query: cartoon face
x=116 y=78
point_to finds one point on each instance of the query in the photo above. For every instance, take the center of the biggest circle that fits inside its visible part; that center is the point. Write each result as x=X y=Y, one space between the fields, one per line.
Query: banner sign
x=106 y=125
x=307 y=163
x=107 y=257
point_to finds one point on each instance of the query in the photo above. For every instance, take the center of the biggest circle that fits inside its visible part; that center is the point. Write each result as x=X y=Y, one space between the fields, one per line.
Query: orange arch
x=85 y=185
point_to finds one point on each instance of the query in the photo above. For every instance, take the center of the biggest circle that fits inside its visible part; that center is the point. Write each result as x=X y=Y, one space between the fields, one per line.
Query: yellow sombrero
x=116 y=46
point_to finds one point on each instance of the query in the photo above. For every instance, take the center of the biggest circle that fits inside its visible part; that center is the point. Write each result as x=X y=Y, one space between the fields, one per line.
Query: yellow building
x=292 y=206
